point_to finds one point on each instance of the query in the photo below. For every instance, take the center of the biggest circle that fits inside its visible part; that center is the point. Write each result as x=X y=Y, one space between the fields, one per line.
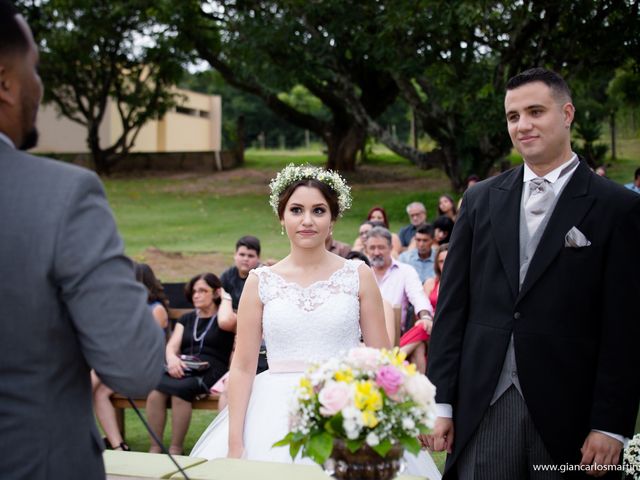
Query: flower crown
x=293 y=173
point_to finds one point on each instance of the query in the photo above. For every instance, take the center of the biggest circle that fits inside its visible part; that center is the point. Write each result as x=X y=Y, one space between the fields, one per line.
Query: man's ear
x=569 y=112
x=7 y=84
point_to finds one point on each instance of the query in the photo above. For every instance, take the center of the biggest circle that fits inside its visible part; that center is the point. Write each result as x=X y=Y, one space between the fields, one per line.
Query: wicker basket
x=365 y=464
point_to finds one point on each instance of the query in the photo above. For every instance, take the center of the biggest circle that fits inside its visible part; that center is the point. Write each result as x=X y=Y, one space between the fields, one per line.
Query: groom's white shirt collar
x=6 y=140
x=553 y=175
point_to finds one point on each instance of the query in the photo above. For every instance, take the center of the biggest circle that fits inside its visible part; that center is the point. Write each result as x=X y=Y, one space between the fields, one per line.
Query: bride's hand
x=235 y=451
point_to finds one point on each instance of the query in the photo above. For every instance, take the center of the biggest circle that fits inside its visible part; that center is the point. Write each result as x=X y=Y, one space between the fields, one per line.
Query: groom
x=533 y=348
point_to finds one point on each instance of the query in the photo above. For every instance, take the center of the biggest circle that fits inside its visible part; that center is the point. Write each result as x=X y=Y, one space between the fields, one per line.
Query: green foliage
x=261 y=125
x=383 y=447
x=95 y=51
x=269 y=48
x=319 y=447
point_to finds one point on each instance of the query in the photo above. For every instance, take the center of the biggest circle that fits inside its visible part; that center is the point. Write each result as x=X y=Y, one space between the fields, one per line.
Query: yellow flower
x=305 y=386
x=369 y=419
x=409 y=369
x=345 y=375
x=395 y=356
x=367 y=396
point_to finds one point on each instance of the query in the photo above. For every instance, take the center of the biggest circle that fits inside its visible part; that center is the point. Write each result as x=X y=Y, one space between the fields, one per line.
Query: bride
x=310 y=306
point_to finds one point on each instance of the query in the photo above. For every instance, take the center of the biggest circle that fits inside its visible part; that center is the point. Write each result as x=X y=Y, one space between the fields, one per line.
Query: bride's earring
x=282 y=230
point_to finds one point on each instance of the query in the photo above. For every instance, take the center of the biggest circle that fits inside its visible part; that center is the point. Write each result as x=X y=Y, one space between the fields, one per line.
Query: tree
x=93 y=51
x=262 y=126
x=269 y=47
x=453 y=60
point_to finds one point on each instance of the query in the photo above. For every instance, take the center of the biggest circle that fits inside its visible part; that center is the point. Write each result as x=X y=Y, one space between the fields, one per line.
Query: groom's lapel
x=572 y=206
x=504 y=211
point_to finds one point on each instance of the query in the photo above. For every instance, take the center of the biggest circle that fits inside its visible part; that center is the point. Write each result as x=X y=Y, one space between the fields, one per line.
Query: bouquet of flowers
x=371 y=397
x=632 y=458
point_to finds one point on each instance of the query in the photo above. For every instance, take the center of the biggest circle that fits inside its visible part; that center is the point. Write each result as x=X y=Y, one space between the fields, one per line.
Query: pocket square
x=575 y=239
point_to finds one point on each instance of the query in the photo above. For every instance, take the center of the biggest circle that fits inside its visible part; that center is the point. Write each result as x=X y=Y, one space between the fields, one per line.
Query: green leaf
x=334 y=425
x=294 y=448
x=411 y=444
x=354 y=445
x=319 y=447
x=285 y=441
x=383 y=447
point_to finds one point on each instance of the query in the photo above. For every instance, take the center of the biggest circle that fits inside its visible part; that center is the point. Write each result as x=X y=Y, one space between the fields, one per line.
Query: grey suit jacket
x=68 y=303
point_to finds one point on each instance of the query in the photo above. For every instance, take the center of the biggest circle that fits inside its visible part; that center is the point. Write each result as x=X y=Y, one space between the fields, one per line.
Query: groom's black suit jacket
x=575 y=321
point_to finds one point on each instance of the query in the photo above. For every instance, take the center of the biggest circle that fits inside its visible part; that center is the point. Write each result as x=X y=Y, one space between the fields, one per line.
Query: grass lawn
x=202 y=213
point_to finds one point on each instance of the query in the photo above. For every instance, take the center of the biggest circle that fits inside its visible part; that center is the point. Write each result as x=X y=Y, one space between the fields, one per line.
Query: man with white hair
x=417 y=215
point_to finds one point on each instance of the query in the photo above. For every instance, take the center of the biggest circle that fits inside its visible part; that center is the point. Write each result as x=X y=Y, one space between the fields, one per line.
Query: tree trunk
x=100 y=160
x=343 y=146
x=612 y=127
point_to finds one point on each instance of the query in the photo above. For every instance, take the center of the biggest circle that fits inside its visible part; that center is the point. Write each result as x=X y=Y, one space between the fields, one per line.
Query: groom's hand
x=441 y=437
x=600 y=449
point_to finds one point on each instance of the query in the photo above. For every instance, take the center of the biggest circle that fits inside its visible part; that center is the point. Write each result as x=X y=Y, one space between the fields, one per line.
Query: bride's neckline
x=317 y=282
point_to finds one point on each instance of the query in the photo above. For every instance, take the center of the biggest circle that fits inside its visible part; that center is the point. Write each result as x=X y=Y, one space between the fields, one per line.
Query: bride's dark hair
x=329 y=194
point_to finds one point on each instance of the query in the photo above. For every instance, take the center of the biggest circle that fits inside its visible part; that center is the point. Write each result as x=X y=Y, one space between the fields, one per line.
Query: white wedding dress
x=300 y=325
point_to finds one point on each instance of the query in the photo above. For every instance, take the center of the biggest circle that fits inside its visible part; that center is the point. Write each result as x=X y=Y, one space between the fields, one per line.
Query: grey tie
x=541 y=197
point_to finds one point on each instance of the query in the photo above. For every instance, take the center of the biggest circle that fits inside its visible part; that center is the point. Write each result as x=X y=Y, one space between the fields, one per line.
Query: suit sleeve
x=617 y=389
x=452 y=311
x=115 y=328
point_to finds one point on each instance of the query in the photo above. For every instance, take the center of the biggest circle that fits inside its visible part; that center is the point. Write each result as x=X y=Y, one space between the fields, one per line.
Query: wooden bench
x=121 y=402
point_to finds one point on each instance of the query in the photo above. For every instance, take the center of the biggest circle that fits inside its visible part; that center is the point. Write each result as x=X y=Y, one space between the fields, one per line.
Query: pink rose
x=333 y=398
x=364 y=357
x=390 y=379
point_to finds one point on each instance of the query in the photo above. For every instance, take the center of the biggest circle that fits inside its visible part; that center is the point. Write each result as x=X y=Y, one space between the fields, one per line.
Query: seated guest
x=447 y=207
x=389 y=314
x=422 y=257
x=378 y=214
x=635 y=185
x=471 y=181
x=104 y=410
x=399 y=283
x=414 y=342
x=246 y=258
x=197 y=334
x=334 y=246
x=358 y=244
x=442 y=228
x=156 y=300
x=417 y=215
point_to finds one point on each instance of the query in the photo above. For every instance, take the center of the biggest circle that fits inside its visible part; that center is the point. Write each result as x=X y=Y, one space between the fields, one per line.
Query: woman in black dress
x=197 y=334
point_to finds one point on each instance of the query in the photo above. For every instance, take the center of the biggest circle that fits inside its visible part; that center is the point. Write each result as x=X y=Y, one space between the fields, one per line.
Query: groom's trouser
x=506 y=445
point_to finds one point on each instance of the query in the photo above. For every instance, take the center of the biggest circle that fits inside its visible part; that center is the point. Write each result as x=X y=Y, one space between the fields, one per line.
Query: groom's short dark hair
x=12 y=37
x=551 y=79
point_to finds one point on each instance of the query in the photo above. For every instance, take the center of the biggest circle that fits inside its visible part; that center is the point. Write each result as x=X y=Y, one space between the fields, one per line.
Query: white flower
x=408 y=423
x=421 y=390
x=292 y=173
x=372 y=439
x=351 y=428
x=364 y=358
x=351 y=413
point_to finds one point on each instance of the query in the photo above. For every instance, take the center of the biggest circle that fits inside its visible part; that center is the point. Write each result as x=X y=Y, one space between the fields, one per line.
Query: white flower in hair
x=294 y=173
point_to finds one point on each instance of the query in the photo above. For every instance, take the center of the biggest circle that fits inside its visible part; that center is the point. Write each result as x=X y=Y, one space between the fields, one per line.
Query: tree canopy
x=95 y=51
x=448 y=60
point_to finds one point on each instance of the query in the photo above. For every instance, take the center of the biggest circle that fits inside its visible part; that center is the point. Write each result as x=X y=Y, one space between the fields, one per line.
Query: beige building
x=194 y=125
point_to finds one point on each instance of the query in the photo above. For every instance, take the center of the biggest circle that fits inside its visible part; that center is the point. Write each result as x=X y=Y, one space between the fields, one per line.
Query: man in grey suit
x=68 y=296
x=533 y=351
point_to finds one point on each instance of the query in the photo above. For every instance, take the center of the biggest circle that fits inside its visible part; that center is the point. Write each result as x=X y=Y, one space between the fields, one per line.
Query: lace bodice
x=311 y=323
